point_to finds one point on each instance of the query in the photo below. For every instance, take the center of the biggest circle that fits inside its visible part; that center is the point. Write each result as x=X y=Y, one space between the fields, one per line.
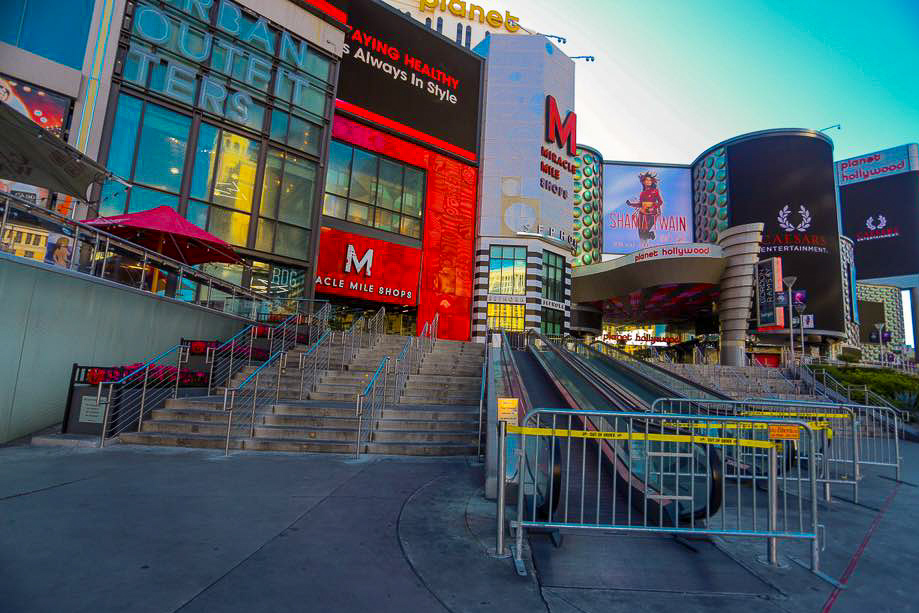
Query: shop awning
x=166 y=232
x=30 y=154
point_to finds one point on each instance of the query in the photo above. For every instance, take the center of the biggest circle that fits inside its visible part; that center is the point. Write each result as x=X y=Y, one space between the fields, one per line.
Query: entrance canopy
x=664 y=284
x=30 y=154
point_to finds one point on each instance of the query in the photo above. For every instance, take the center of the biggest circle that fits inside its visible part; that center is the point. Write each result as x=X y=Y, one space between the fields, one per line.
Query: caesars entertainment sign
x=786 y=182
x=397 y=73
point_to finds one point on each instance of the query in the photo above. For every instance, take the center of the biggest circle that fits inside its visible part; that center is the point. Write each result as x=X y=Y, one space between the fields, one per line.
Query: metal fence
x=370 y=404
x=666 y=473
x=128 y=400
x=376 y=327
x=837 y=454
x=877 y=437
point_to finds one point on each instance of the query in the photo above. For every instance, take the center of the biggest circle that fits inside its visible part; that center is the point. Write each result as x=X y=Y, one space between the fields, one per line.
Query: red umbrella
x=166 y=232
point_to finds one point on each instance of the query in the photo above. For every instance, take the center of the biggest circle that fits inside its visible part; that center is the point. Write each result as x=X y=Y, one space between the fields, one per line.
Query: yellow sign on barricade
x=640 y=436
x=508 y=410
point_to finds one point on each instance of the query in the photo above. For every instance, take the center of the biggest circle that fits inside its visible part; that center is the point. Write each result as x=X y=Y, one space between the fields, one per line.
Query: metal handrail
x=482 y=396
x=316 y=362
x=348 y=352
x=227 y=352
x=402 y=368
x=375 y=327
x=377 y=396
x=101 y=243
x=137 y=394
x=230 y=394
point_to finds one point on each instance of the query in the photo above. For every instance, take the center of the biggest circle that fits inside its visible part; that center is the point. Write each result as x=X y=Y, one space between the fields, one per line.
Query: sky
x=673 y=77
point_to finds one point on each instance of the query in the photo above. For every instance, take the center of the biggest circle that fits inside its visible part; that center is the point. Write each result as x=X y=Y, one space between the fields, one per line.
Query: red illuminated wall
x=448 y=244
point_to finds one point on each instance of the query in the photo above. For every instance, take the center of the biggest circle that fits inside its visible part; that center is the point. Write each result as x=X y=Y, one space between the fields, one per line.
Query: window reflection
x=235 y=180
x=507 y=270
x=506 y=317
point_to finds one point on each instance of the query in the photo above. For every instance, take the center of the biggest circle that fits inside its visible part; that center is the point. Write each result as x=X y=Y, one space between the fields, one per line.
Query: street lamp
x=789 y=282
x=799 y=309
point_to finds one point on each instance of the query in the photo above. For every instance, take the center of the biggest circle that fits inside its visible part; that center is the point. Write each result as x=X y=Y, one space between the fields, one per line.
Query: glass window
x=335 y=206
x=553 y=275
x=553 y=322
x=364 y=177
x=264 y=237
x=292 y=242
x=390 y=196
x=124 y=136
x=368 y=189
x=271 y=184
x=202 y=177
x=339 y=175
x=297 y=192
x=52 y=29
x=230 y=226
x=197 y=214
x=507 y=270
x=235 y=181
x=279 y=121
x=304 y=135
x=506 y=317
x=143 y=199
x=161 y=150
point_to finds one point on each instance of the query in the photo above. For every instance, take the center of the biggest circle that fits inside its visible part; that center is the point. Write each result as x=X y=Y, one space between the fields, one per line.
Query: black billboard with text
x=787 y=182
x=404 y=72
x=882 y=217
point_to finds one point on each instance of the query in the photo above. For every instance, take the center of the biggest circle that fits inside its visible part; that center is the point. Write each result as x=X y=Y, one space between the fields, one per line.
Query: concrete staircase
x=741 y=382
x=437 y=413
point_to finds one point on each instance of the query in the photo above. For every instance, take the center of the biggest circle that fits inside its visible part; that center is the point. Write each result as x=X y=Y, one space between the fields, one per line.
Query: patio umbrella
x=168 y=233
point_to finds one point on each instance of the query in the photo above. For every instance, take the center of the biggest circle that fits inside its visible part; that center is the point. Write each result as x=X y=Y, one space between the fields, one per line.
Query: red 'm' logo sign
x=562 y=133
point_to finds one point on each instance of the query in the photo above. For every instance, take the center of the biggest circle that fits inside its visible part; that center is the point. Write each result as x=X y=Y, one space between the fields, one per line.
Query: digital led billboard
x=882 y=217
x=786 y=182
x=396 y=70
x=645 y=206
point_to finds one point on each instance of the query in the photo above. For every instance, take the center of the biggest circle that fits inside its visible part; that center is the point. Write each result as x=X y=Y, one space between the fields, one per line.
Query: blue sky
x=673 y=77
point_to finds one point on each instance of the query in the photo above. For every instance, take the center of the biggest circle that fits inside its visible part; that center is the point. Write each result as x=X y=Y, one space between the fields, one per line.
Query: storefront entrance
x=399 y=319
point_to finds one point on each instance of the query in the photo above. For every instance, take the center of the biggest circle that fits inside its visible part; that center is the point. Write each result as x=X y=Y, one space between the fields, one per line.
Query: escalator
x=646 y=473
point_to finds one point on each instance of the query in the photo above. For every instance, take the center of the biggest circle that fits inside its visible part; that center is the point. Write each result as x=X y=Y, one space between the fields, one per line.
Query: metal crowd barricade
x=637 y=472
x=836 y=456
x=130 y=398
x=370 y=404
x=878 y=434
x=313 y=362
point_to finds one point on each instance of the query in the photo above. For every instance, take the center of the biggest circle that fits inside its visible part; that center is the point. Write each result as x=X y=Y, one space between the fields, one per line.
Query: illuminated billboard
x=399 y=74
x=645 y=205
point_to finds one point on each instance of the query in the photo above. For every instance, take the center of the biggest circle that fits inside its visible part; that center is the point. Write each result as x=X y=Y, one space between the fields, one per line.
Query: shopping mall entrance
x=399 y=319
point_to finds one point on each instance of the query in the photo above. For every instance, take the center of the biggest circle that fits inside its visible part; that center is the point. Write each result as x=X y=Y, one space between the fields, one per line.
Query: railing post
x=76 y=244
x=232 y=395
x=143 y=398
x=104 y=259
x=107 y=413
x=500 y=547
x=210 y=354
x=277 y=390
x=360 y=402
x=232 y=355
x=254 y=400
x=251 y=342
x=143 y=272
x=175 y=394
x=773 y=542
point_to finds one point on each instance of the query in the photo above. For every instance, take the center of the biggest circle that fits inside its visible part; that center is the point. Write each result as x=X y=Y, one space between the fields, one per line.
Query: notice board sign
x=768 y=285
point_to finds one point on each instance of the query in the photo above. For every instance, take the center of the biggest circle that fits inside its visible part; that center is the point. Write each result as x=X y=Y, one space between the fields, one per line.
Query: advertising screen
x=47 y=109
x=645 y=206
x=787 y=183
x=403 y=72
x=882 y=217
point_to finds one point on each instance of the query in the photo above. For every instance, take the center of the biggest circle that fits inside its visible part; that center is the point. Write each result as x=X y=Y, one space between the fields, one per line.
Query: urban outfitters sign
x=168 y=47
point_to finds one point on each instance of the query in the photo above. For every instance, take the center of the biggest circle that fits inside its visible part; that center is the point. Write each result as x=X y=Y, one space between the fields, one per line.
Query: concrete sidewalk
x=155 y=529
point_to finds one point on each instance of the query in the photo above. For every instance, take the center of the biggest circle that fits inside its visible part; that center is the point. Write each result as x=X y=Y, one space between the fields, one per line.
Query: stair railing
x=130 y=398
x=376 y=327
x=351 y=341
x=370 y=404
x=402 y=368
x=229 y=358
x=313 y=362
x=243 y=401
x=318 y=324
x=283 y=337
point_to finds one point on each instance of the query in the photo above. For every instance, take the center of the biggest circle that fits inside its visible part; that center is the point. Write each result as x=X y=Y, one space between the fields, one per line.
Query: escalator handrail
x=716 y=394
x=512 y=375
